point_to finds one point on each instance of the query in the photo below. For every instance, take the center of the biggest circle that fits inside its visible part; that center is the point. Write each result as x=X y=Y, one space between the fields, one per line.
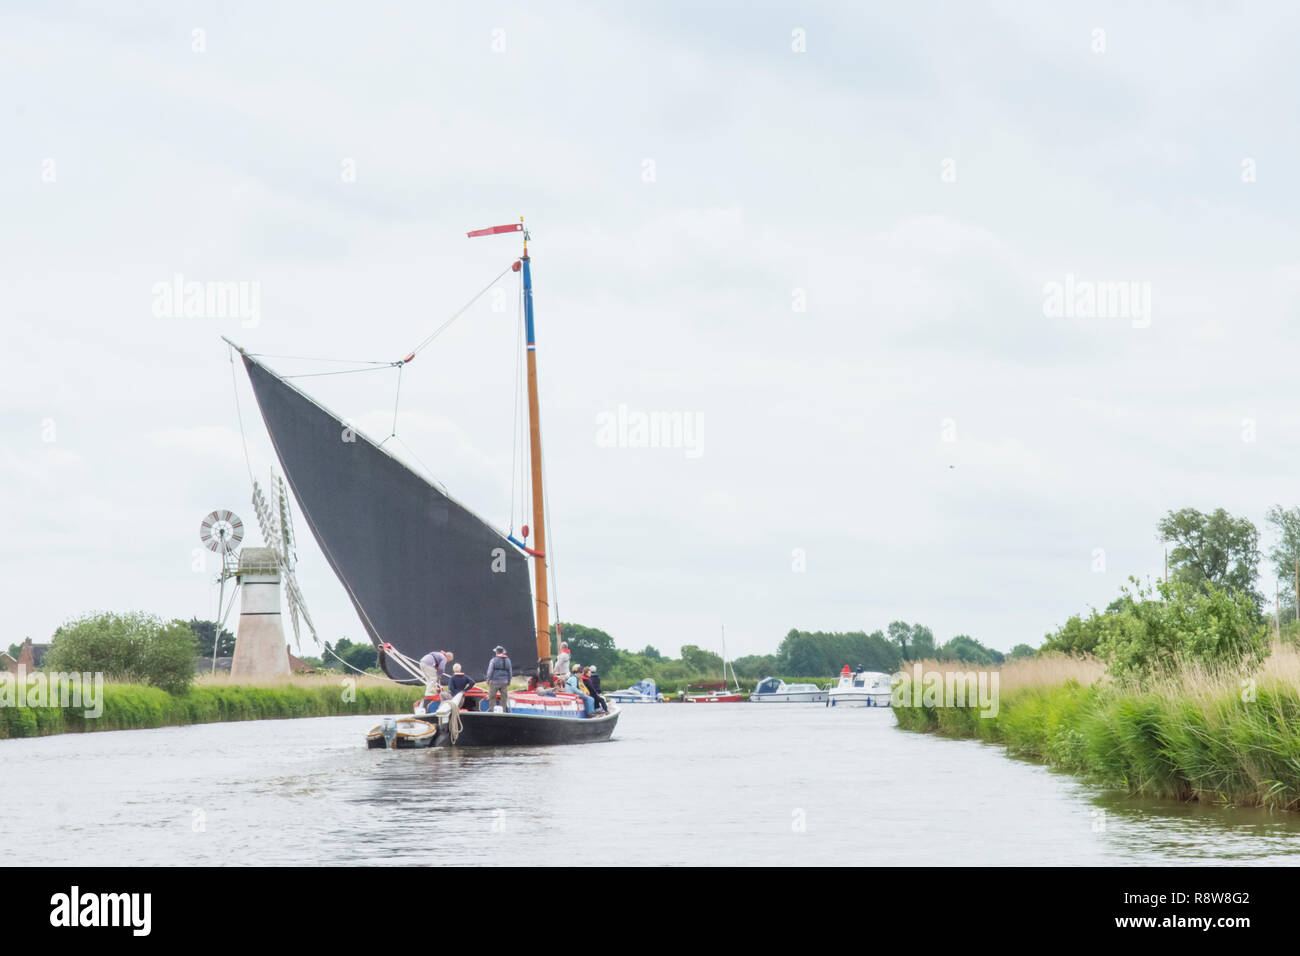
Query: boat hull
x=802 y=697
x=716 y=699
x=857 y=700
x=496 y=729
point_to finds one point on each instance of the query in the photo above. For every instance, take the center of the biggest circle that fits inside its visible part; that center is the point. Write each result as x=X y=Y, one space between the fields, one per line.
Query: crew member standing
x=499 y=673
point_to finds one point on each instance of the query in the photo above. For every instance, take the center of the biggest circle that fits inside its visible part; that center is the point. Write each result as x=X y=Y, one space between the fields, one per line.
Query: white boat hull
x=858 y=700
x=806 y=697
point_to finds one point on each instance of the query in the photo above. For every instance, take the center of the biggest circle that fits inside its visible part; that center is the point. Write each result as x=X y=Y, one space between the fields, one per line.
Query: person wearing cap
x=433 y=665
x=459 y=683
x=499 y=673
x=592 y=681
x=562 y=662
x=574 y=685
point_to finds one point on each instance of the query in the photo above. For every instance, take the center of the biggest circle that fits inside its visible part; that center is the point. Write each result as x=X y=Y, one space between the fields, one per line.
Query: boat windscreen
x=768 y=685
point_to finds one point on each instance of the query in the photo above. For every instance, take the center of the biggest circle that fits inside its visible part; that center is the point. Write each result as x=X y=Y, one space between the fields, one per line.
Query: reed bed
x=1196 y=734
x=137 y=706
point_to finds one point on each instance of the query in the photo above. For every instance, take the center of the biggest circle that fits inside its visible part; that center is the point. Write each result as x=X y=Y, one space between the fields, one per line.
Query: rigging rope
x=457 y=314
x=248 y=463
x=346 y=371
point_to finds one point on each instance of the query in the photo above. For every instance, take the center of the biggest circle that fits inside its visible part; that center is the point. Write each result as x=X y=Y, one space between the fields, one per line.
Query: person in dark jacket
x=499 y=673
x=592 y=680
x=459 y=682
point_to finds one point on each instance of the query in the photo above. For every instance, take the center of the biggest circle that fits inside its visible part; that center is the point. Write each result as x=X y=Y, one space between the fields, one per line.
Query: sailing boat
x=718 y=693
x=423 y=571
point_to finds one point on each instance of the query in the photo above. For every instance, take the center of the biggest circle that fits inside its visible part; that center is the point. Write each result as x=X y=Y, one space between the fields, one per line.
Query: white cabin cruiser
x=642 y=692
x=775 y=690
x=860 y=689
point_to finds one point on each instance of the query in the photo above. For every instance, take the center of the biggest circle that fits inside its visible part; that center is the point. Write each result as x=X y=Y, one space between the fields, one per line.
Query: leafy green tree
x=1212 y=627
x=1021 y=651
x=821 y=654
x=900 y=632
x=588 y=645
x=1284 y=554
x=1213 y=550
x=922 y=642
x=700 y=661
x=135 y=647
x=1079 y=635
x=203 y=631
x=652 y=653
x=362 y=656
x=965 y=648
x=756 y=666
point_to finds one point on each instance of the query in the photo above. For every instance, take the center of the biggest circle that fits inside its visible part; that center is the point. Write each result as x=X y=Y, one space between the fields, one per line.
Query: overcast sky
x=825 y=232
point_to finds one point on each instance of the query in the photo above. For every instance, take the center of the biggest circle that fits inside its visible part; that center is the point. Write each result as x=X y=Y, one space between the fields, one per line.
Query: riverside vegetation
x=1176 y=691
x=148 y=666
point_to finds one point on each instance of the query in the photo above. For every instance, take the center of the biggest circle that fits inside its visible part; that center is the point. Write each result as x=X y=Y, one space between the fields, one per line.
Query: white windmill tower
x=260 y=647
x=221 y=532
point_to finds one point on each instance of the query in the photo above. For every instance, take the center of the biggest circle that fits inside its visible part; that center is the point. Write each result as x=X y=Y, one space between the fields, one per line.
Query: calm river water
x=742 y=784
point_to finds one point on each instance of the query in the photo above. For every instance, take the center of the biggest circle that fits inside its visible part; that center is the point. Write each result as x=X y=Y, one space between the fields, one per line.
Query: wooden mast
x=535 y=458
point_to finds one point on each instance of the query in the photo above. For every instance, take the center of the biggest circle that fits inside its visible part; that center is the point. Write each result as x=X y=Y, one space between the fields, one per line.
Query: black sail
x=418 y=567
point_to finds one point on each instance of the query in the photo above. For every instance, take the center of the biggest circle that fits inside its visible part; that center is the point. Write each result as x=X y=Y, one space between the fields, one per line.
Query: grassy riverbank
x=1194 y=736
x=211 y=700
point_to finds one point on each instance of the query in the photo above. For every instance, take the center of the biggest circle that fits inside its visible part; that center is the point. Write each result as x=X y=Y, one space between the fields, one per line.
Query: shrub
x=1209 y=627
x=134 y=647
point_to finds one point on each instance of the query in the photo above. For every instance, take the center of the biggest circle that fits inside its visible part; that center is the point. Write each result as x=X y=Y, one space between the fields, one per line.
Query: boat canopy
x=647 y=687
x=769 y=685
x=423 y=571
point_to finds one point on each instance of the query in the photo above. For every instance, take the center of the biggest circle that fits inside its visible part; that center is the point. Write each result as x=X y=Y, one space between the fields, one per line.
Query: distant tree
x=135 y=646
x=756 y=666
x=1283 y=555
x=363 y=657
x=900 y=632
x=922 y=642
x=203 y=631
x=1213 y=549
x=821 y=654
x=1080 y=635
x=701 y=662
x=588 y=645
x=965 y=648
x=1022 y=650
x=652 y=653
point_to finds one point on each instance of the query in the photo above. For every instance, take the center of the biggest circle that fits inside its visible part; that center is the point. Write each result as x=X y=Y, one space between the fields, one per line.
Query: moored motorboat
x=860 y=689
x=775 y=690
x=642 y=692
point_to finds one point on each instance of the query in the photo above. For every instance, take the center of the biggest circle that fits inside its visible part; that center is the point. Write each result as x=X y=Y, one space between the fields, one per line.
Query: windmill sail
x=423 y=572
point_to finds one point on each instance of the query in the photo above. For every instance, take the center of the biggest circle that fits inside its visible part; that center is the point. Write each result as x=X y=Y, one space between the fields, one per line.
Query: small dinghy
x=401 y=733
